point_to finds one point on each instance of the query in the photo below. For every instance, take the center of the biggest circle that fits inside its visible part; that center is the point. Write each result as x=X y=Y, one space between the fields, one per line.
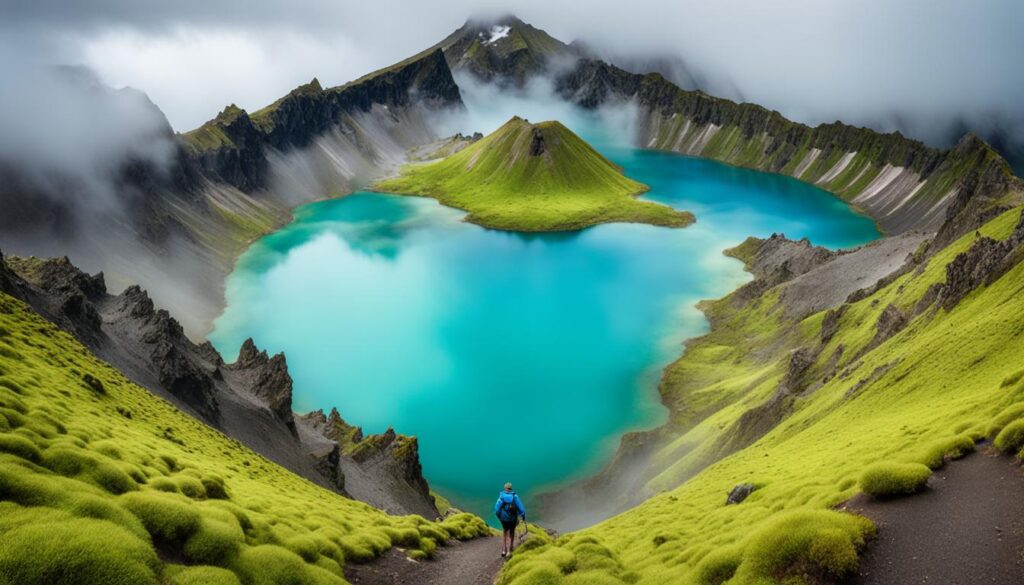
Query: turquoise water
x=512 y=357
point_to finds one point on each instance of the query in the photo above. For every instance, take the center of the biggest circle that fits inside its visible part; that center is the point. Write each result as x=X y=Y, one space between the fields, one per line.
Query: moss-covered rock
x=894 y=479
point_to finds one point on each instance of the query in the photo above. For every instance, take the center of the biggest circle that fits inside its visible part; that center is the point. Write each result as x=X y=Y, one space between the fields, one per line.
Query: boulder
x=739 y=493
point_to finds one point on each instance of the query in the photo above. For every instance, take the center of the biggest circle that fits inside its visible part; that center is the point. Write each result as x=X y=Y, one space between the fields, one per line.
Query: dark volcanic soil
x=966 y=529
x=475 y=562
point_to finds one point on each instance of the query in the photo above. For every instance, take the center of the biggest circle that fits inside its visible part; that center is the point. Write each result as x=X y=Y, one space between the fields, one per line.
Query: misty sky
x=914 y=64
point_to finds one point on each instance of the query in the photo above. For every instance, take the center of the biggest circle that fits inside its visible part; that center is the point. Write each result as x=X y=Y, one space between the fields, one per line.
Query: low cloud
x=927 y=67
x=488 y=106
x=61 y=126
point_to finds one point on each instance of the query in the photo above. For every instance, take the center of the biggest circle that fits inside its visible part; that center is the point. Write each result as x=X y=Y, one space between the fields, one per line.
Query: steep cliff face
x=383 y=470
x=902 y=183
x=237 y=148
x=249 y=400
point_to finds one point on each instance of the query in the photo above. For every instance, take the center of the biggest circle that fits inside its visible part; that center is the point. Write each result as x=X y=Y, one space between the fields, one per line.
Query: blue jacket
x=504 y=498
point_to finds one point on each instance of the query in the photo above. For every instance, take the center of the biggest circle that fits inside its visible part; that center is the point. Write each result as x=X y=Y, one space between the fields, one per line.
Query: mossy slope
x=949 y=376
x=533 y=177
x=103 y=483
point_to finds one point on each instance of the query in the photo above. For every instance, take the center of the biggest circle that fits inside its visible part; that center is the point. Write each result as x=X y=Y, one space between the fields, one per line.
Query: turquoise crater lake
x=512 y=357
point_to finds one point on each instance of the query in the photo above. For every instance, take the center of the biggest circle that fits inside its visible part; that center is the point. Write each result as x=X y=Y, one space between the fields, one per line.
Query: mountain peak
x=487 y=21
x=502 y=49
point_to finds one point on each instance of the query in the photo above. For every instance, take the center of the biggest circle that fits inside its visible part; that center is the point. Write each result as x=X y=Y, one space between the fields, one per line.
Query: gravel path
x=966 y=529
x=475 y=562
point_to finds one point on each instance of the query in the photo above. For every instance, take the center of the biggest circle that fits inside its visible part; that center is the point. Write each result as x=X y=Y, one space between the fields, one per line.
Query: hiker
x=508 y=508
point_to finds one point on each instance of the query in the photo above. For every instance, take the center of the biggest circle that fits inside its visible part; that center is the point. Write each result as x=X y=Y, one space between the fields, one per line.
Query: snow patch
x=498 y=32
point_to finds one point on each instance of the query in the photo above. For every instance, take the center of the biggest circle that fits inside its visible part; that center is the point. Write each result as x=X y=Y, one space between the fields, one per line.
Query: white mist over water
x=488 y=106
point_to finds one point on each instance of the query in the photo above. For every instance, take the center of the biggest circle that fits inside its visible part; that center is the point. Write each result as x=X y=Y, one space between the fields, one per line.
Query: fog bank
x=928 y=67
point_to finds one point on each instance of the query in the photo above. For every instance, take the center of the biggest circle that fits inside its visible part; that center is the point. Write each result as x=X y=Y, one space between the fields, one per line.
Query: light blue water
x=512 y=357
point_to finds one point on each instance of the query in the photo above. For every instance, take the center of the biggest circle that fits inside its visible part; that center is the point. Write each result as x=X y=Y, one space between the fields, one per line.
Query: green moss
x=1011 y=438
x=67 y=471
x=76 y=552
x=214 y=487
x=407 y=537
x=465 y=526
x=567 y=187
x=20 y=446
x=893 y=479
x=204 y=576
x=535 y=573
x=428 y=546
x=9 y=399
x=935 y=455
x=190 y=486
x=438 y=533
x=167 y=518
x=820 y=542
x=1012 y=379
x=214 y=543
x=273 y=565
x=89 y=466
x=1006 y=416
x=164 y=484
x=718 y=566
x=92 y=506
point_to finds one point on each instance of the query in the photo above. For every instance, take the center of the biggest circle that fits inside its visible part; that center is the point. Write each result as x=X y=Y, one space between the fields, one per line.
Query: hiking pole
x=526 y=531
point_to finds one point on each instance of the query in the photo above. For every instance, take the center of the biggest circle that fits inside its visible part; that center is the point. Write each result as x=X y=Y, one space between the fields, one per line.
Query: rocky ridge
x=249 y=400
x=802 y=279
x=176 y=227
x=902 y=183
x=792 y=282
x=235 y=146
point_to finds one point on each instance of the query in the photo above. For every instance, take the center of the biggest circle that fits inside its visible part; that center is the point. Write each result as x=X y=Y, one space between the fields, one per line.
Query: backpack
x=508 y=511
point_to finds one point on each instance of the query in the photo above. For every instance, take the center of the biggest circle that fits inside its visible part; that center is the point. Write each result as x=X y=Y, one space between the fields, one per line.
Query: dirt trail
x=475 y=562
x=966 y=529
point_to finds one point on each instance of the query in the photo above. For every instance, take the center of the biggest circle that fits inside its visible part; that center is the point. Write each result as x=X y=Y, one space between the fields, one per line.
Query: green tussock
x=1006 y=416
x=894 y=479
x=1011 y=438
x=90 y=496
x=936 y=454
x=917 y=400
x=502 y=185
